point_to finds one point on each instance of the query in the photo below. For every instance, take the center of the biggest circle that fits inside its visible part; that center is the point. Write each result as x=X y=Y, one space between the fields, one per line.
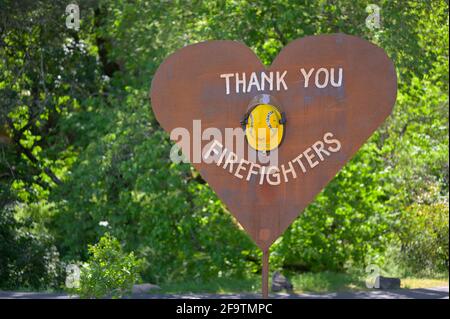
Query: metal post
x=265 y=274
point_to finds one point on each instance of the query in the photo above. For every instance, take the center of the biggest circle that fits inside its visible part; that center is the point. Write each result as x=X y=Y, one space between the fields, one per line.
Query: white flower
x=104 y=223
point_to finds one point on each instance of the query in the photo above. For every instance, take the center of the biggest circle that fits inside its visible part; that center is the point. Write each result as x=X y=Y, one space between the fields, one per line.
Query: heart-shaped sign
x=334 y=91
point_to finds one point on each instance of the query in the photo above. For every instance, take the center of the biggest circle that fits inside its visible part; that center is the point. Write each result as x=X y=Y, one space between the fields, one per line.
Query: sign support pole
x=265 y=274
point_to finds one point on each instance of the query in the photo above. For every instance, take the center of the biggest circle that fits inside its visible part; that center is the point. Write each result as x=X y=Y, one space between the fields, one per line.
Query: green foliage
x=425 y=239
x=27 y=260
x=79 y=144
x=109 y=272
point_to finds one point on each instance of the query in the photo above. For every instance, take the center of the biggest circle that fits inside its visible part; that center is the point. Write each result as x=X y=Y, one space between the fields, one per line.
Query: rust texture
x=188 y=86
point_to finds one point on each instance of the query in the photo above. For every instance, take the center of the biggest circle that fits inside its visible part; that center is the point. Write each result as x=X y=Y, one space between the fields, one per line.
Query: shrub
x=425 y=241
x=109 y=271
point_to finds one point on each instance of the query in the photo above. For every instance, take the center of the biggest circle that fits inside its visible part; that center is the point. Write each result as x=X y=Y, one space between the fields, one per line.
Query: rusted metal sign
x=333 y=90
